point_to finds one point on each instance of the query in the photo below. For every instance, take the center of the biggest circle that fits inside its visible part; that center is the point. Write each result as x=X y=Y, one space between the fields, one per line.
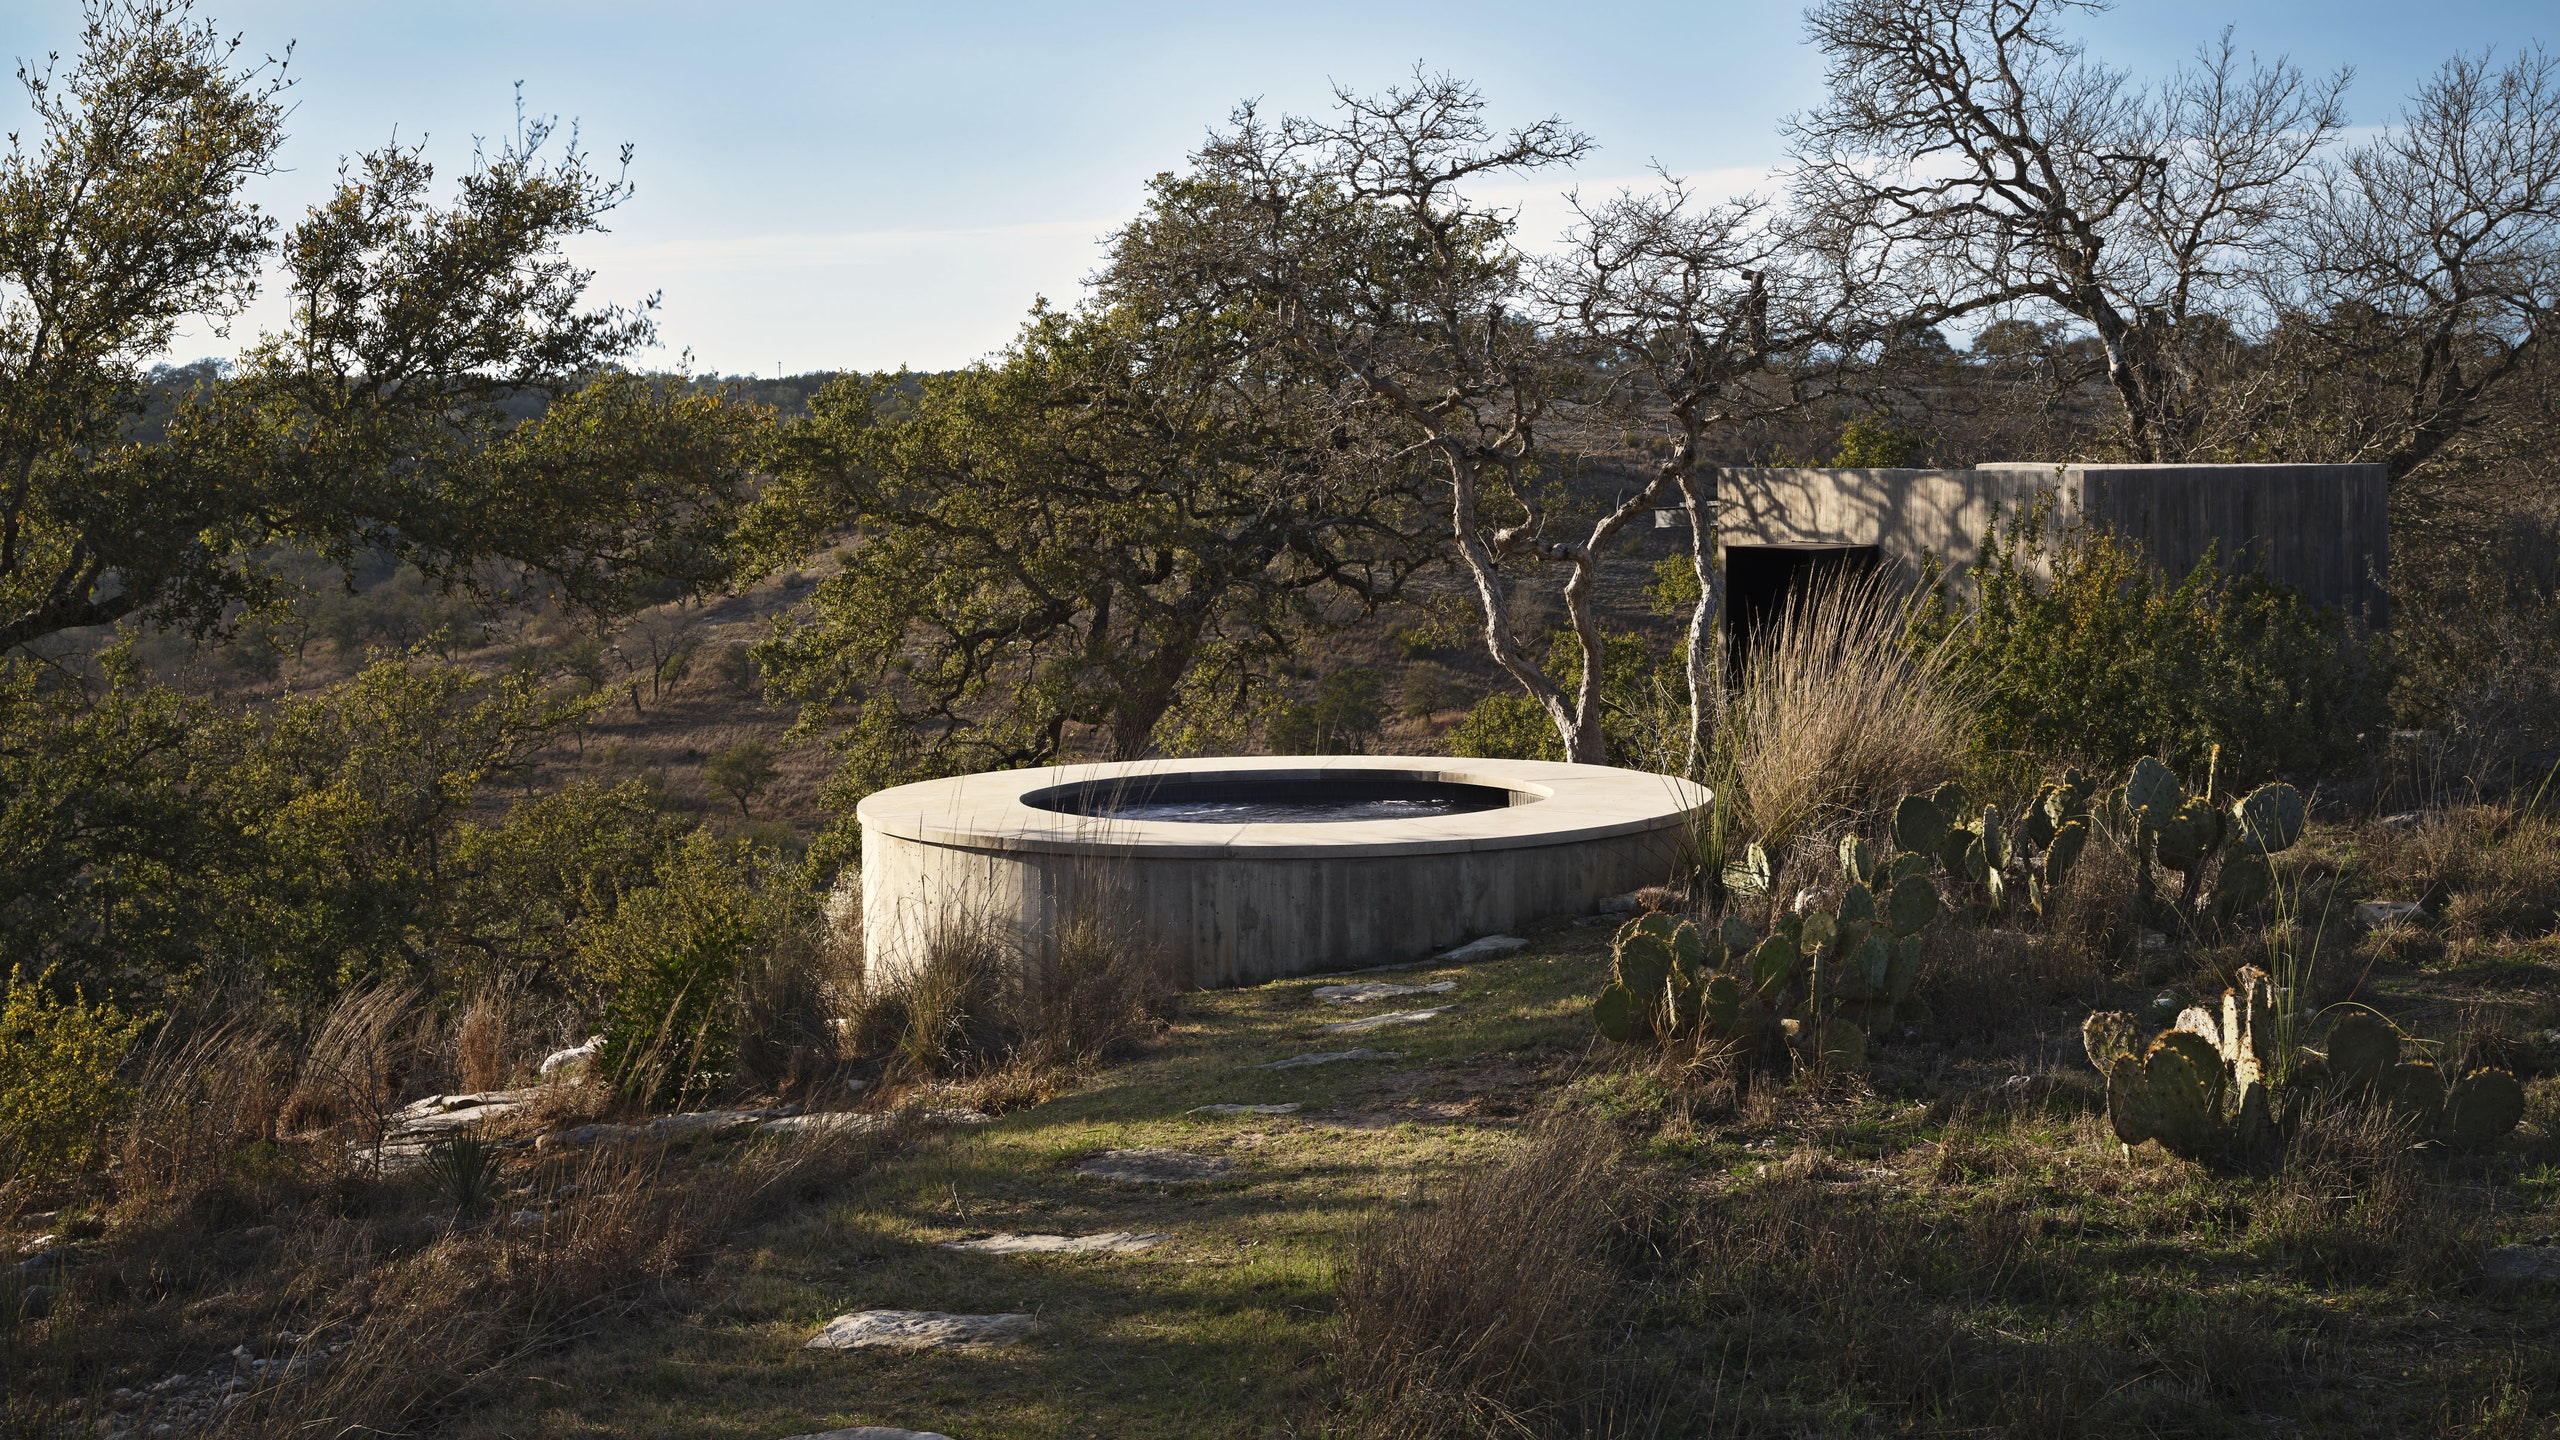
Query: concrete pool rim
x=1554 y=804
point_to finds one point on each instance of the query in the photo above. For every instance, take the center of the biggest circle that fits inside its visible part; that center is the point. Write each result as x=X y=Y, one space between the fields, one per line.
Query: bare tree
x=1999 y=169
x=1707 y=318
x=2427 y=282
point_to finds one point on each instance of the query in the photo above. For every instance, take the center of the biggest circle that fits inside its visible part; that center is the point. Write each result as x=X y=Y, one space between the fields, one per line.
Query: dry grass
x=2351 y=1202
x=2492 y=870
x=398 y=1335
x=202 y=1093
x=1478 y=1311
x=1835 y=720
x=1106 y=988
x=355 y=1070
x=480 y=1044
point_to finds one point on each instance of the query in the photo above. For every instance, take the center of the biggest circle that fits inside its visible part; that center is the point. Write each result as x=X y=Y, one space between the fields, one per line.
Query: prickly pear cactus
x=1814 y=987
x=2173 y=833
x=2203 y=1089
x=1993 y=857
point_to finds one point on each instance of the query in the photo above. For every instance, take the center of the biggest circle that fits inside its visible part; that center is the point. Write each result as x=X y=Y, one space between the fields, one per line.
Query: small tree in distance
x=745 y=770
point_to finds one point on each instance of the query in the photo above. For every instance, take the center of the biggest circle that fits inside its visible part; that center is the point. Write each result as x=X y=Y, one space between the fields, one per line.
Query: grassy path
x=1218 y=1330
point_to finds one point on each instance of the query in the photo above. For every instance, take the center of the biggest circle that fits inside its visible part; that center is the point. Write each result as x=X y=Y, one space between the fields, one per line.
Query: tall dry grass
x=973 y=1002
x=1836 y=720
x=205 y=1088
x=1479 y=1311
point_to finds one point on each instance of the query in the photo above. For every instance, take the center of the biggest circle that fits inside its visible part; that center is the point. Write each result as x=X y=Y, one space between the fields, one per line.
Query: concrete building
x=2322 y=529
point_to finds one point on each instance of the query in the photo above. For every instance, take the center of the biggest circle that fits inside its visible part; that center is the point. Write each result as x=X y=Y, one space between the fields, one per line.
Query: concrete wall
x=1237 y=921
x=1232 y=903
x=2323 y=529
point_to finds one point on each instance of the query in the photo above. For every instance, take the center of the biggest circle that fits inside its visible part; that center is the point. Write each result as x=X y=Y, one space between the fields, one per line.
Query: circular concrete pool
x=1250 y=868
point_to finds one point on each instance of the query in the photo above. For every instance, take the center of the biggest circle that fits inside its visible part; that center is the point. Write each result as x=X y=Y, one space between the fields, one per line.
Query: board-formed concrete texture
x=1231 y=904
x=2322 y=529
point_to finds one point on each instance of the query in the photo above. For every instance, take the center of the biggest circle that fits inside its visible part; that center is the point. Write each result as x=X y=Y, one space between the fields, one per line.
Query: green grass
x=1927 y=1249
x=1220 y=1330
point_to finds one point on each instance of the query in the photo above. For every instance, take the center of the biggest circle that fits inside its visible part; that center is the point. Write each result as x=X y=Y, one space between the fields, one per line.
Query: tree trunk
x=1706 y=621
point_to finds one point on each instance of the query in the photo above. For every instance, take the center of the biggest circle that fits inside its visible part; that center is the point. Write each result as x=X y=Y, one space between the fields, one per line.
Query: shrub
x=2475 y=644
x=1506 y=727
x=1105 y=987
x=58 y=1081
x=744 y=770
x=1343 y=718
x=666 y=962
x=2079 y=646
x=1639 y=693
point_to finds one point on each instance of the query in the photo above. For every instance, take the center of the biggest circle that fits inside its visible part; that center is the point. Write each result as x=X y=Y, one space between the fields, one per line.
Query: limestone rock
x=919 y=1330
x=1380 y=1022
x=2522 y=1264
x=1155 y=1167
x=708 y=1122
x=1110 y=1242
x=1328 y=1057
x=1487 y=948
x=1369 y=990
x=1291 y=1108
x=863 y=1122
x=582 y=1136
x=572 y=1059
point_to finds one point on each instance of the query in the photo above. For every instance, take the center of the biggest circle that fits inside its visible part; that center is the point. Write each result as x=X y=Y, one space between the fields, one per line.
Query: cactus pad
x=2362 y=1046
x=2481 y=1108
x=2108 y=1035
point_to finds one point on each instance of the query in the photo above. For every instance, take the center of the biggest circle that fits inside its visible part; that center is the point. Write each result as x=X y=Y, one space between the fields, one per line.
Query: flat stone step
x=1368 y=990
x=1381 y=1022
x=863 y=1122
x=2522 y=1264
x=920 y=1330
x=1155 y=1167
x=1109 y=1242
x=872 y=1432
x=1487 y=948
x=1328 y=1057
x=1291 y=1108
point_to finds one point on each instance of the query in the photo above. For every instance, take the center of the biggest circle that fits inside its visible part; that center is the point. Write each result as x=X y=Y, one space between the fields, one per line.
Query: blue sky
x=830 y=186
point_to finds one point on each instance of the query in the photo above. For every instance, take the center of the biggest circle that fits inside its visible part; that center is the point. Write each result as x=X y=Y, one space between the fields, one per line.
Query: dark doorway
x=1760 y=579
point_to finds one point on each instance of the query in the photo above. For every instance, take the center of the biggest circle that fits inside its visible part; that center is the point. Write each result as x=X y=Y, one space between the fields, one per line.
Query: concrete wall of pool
x=1235 y=901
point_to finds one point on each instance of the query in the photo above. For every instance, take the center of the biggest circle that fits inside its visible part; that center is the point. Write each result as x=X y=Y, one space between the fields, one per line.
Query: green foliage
x=464 y=1170
x=2077 y=645
x=1633 y=681
x=1674 y=588
x=148 y=845
x=108 y=853
x=1506 y=727
x=2217 y=1088
x=1874 y=441
x=743 y=770
x=666 y=966
x=58 y=1081
x=388 y=415
x=1342 y=718
x=1116 y=526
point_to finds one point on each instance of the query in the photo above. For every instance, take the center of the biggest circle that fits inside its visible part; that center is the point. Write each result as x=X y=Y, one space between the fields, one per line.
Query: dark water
x=1246 y=800
x=1285 y=812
